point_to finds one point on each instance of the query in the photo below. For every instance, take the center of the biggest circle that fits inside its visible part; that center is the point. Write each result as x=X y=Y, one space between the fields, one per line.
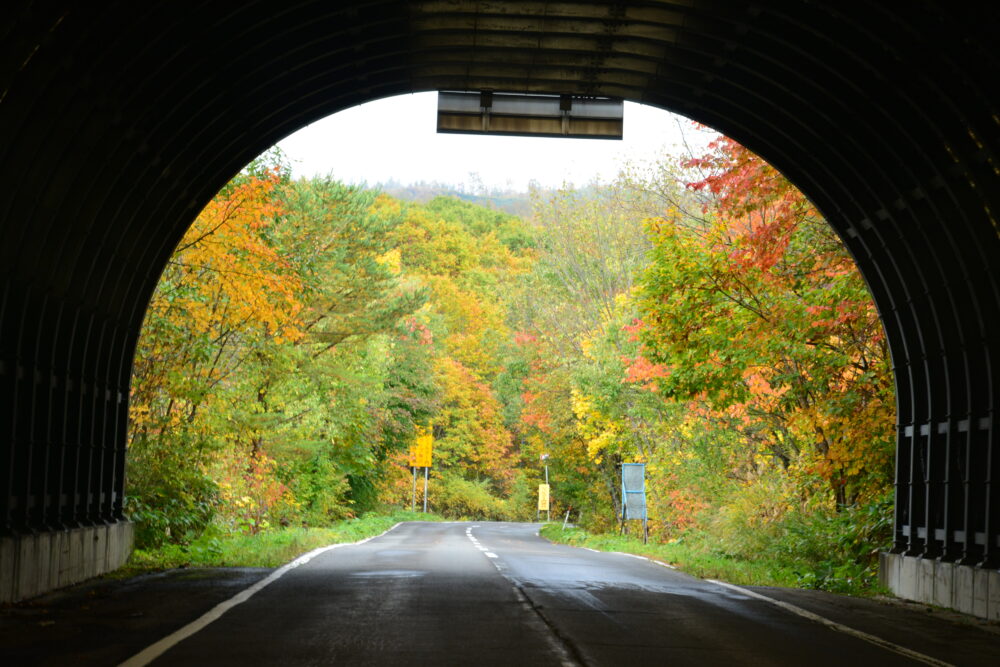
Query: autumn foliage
x=762 y=316
x=301 y=332
x=700 y=317
x=745 y=365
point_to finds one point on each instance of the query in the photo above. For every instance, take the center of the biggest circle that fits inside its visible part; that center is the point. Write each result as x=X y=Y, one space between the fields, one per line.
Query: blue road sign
x=634 y=491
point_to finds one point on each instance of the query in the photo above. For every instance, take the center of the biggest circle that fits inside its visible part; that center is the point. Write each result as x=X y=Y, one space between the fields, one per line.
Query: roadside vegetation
x=698 y=316
x=829 y=552
x=218 y=548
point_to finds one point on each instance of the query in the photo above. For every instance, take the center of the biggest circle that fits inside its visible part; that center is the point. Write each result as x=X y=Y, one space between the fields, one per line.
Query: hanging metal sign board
x=529 y=114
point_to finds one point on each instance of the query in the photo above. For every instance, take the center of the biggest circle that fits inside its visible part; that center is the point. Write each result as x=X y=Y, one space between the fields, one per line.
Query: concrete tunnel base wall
x=967 y=589
x=34 y=564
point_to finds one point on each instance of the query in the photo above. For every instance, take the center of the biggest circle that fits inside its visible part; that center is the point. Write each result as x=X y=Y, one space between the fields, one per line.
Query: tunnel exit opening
x=736 y=337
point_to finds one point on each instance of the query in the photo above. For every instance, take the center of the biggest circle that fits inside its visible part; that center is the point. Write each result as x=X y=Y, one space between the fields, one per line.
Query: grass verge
x=694 y=559
x=268 y=549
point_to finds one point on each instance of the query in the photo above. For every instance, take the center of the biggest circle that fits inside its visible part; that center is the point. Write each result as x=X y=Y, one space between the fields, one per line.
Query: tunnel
x=121 y=121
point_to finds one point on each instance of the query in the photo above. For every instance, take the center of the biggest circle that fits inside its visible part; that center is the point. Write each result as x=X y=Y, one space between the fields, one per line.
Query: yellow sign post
x=420 y=457
x=543 y=497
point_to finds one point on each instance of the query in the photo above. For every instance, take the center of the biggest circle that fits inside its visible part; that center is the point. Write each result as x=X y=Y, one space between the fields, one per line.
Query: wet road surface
x=497 y=594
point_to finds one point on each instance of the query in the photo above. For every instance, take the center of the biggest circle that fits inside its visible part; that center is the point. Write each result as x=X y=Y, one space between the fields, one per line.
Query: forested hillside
x=510 y=201
x=699 y=317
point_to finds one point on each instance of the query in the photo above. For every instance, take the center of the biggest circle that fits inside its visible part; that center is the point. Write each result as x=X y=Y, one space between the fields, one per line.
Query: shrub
x=456 y=497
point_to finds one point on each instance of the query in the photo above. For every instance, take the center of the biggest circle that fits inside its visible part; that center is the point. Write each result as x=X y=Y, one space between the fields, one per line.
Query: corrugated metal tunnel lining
x=119 y=124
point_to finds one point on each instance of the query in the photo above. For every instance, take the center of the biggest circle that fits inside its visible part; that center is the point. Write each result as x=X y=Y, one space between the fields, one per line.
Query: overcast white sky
x=395 y=139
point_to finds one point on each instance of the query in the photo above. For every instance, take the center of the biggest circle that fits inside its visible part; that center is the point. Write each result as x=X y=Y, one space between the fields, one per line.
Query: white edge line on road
x=622 y=553
x=650 y=560
x=833 y=625
x=878 y=641
x=153 y=651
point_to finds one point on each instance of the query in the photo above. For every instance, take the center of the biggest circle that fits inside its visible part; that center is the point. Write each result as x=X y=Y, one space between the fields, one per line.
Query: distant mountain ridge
x=508 y=201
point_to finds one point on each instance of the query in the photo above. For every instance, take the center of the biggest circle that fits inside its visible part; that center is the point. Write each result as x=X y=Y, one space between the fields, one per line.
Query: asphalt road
x=497 y=594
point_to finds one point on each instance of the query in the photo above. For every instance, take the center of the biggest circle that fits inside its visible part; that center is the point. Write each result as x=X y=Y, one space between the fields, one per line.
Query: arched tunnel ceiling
x=120 y=122
x=846 y=100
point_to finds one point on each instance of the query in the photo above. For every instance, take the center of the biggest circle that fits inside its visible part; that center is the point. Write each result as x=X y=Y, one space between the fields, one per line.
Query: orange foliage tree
x=759 y=312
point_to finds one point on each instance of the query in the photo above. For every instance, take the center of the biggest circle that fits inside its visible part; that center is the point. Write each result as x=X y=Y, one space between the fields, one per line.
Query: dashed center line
x=568 y=656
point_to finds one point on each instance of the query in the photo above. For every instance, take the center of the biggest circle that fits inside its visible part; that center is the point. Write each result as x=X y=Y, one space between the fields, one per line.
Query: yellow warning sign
x=421 y=450
x=543 y=497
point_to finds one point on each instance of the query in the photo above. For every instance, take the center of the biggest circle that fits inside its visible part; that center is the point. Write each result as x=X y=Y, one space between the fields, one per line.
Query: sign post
x=634 y=496
x=421 y=453
x=548 y=512
x=413 y=497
